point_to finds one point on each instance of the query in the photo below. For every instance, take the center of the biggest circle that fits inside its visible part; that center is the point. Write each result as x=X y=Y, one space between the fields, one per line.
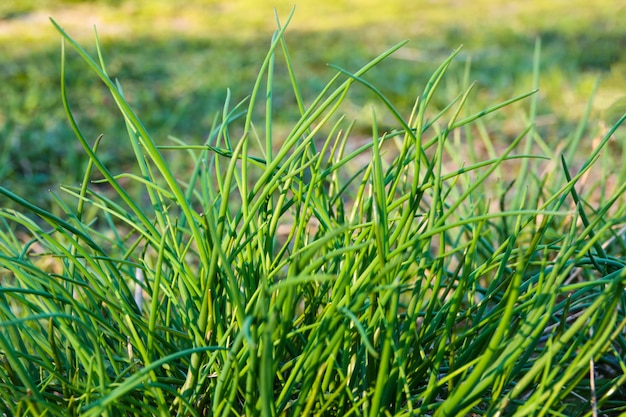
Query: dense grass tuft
x=322 y=272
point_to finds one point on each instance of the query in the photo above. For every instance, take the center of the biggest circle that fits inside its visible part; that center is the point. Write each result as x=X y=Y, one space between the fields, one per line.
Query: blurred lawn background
x=176 y=59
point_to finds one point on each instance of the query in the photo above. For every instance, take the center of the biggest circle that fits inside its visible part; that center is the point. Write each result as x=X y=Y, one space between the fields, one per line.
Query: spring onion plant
x=320 y=273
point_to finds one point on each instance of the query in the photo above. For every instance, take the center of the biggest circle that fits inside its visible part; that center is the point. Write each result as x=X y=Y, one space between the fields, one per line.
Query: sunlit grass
x=428 y=266
x=208 y=18
x=221 y=44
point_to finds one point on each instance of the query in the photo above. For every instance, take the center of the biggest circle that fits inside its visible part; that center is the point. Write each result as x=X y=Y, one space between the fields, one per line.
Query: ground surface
x=176 y=60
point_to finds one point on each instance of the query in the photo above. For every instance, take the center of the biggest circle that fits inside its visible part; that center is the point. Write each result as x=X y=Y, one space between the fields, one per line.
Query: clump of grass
x=283 y=277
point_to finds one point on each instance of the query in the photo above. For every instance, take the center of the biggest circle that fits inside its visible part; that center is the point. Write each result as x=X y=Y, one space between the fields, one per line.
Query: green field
x=176 y=60
x=206 y=212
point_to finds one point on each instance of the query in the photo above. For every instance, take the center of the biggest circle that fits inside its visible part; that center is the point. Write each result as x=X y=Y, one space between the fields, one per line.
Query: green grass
x=221 y=46
x=292 y=262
